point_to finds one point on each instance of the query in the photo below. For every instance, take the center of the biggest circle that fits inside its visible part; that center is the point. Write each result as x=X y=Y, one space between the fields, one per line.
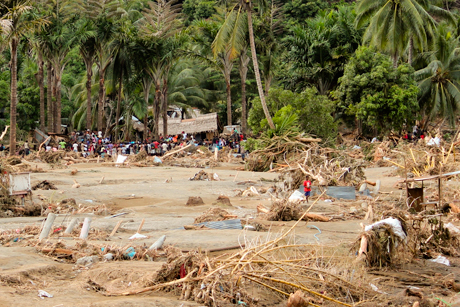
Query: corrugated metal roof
x=227 y=224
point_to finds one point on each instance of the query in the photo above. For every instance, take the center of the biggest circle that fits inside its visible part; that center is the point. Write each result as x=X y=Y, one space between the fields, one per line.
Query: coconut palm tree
x=439 y=81
x=393 y=25
x=17 y=21
x=160 y=29
x=231 y=37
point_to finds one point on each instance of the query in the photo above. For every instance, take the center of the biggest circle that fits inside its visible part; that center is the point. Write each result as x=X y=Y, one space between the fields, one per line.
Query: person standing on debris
x=62 y=143
x=307 y=187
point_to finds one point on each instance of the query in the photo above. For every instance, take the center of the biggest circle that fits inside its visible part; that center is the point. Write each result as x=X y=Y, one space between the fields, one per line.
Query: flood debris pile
x=44 y=185
x=288 y=210
x=190 y=156
x=213 y=215
x=294 y=159
x=85 y=254
x=277 y=268
x=399 y=237
x=202 y=175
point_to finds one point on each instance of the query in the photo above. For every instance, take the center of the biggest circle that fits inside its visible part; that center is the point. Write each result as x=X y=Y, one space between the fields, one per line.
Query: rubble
x=44 y=185
x=213 y=214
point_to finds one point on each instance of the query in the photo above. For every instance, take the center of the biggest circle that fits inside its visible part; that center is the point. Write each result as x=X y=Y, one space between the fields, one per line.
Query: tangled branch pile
x=423 y=235
x=213 y=214
x=295 y=157
x=277 y=267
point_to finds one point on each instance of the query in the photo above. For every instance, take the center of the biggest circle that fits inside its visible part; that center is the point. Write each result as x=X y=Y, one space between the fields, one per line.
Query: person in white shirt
x=75 y=147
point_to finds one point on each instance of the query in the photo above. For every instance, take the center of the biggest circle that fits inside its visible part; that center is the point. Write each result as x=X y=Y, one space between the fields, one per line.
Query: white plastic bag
x=296 y=196
x=395 y=225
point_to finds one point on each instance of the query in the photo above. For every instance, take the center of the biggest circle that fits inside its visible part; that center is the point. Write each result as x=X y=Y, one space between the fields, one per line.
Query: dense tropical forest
x=377 y=66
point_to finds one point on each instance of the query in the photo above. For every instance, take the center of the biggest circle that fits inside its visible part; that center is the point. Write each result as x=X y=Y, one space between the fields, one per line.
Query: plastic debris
x=452 y=229
x=42 y=294
x=442 y=260
x=130 y=252
x=108 y=256
x=158 y=243
x=296 y=196
x=137 y=236
x=395 y=225
x=157 y=160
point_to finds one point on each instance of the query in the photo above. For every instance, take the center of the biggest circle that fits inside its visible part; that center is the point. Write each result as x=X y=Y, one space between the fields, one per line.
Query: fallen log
x=40 y=147
x=262 y=209
x=315 y=217
x=57 y=251
x=176 y=151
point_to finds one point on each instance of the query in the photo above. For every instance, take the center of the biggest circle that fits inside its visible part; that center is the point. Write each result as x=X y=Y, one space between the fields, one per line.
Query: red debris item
x=57 y=229
x=183 y=273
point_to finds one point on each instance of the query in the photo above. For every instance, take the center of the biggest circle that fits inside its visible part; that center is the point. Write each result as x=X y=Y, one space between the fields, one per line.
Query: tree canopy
x=89 y=64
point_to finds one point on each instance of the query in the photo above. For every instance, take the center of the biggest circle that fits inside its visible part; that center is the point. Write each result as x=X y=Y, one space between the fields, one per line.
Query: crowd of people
x=92 y=143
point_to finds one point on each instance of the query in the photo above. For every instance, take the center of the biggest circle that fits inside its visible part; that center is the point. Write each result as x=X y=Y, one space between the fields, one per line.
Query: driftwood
x=316 y=217
x=40 y=147
x=176 y=151
x=4 y=133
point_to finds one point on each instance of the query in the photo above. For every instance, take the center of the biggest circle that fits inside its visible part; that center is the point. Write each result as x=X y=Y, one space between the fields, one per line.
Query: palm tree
x=439 y=80
x=103 y=13
x=395 y=24
x=222 y=61
x=15 y=24
x=243 y=62
x=159 y=28
x=121 y=65
x=231 y=37
x=87 y=52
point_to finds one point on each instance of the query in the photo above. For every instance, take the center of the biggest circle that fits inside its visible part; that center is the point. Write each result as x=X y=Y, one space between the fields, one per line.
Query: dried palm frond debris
x=279 y=265
x=400 y=236
x=297 y=157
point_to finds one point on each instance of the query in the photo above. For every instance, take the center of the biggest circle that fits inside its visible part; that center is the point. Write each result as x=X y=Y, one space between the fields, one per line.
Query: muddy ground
x=158 y=195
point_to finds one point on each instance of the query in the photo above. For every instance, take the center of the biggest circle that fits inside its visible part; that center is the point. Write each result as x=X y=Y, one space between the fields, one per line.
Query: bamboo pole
x=115 y=228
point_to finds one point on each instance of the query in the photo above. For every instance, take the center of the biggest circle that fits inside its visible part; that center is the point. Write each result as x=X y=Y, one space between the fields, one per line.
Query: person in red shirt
x=307 y=188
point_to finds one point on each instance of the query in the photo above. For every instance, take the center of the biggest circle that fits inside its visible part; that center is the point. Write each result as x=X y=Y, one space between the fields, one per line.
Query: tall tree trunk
x=57 y=106
x=229 y=99
x=156 y=111
x=164 y=97
x=243 y=68
x=268 y=83
x=146 y=84
x=100 y=102
x=49 y=81
x=89 y=76
x=117 y=117
x=411 y=50
x=41 y=85
x=395 y=60
x=53 y=81
x=14 y=93
x=256 y=66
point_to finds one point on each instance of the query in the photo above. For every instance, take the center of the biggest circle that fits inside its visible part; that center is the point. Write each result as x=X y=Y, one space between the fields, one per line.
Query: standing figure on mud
x=307 y=187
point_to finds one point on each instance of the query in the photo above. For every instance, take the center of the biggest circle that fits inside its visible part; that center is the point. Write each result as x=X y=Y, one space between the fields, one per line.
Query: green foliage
x=298 y=11
x=318 y=50
x=313 y=112
x=439 y=79
x=198 y=9
x=373 y=91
